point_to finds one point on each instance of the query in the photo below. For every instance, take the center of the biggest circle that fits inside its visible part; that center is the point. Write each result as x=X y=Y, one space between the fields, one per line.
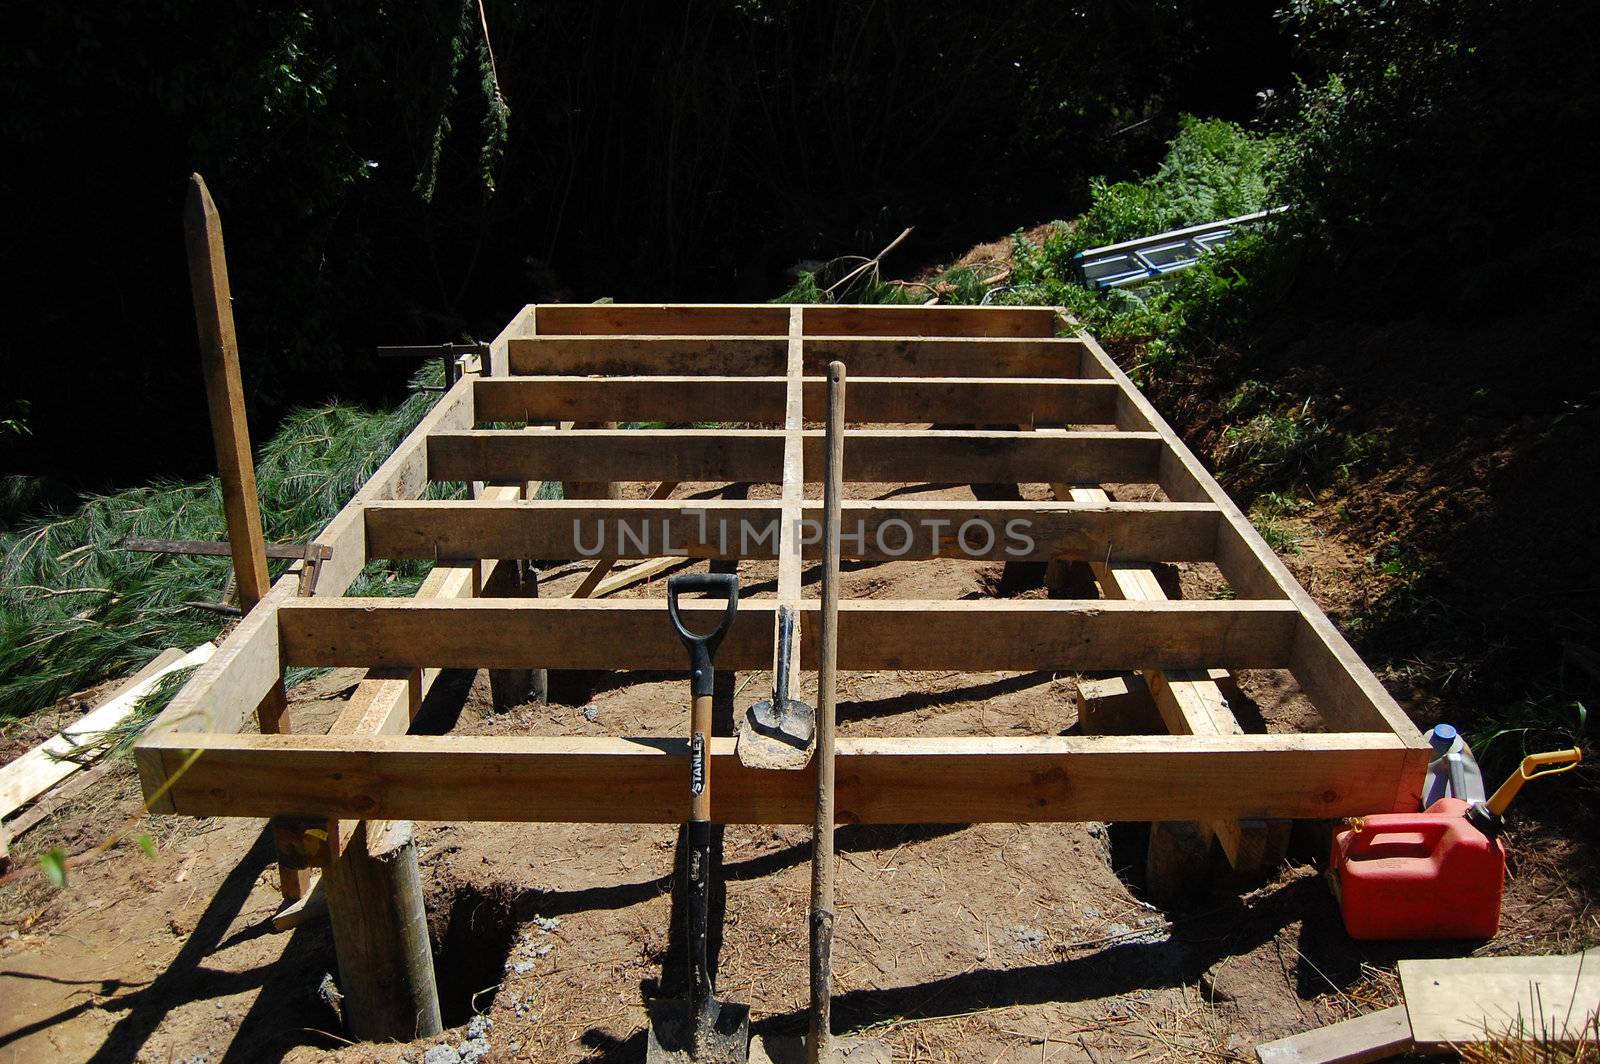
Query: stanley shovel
x=699 y=1027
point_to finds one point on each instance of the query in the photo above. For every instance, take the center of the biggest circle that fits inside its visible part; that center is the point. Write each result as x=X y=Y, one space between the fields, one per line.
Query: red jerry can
x=1419 y=875
x=1434 y=874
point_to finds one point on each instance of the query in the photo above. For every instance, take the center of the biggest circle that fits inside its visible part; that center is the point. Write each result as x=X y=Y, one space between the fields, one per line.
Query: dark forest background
x=387 y=177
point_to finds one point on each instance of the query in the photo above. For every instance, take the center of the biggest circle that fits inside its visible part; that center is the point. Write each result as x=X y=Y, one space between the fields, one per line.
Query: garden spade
x=699 y=1027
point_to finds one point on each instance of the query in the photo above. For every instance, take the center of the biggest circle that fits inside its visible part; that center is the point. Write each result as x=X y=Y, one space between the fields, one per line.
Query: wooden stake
x=230 y=432
x=219 y=358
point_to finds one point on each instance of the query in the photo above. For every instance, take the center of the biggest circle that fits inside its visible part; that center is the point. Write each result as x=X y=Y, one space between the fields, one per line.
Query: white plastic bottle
x=1453 y=772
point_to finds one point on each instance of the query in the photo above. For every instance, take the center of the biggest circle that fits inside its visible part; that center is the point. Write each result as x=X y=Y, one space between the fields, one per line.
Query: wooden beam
x=712 y=319
x=851 y=320
x=760 y=400
x=900 y=781
x=230 y=432
x=871 y=455
x=698 y=319
x=633 y=634
x=745 y=356
x=223 y=692
x=661 y=454
x=1140 y=532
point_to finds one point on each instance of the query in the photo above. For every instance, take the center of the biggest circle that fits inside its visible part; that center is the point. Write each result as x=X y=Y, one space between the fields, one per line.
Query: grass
x=1522 y=1045
x=75 y=609
x=1268 y=512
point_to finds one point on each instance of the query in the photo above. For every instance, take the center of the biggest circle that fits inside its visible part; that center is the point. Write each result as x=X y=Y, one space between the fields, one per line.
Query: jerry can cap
x=1443 y=733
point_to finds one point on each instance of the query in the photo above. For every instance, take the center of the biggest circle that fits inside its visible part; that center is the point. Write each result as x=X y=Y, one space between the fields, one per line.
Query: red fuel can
x=1419 y=875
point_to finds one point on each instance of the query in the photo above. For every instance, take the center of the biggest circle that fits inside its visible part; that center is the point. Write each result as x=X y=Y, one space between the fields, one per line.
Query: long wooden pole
x=818 y=1045
x=230 y=432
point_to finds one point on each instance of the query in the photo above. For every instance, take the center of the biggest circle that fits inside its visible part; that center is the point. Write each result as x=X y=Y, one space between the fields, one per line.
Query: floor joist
x=900 y=634
x=871 y=455
x=760 y=400
x=878 y=530
x=742 y=356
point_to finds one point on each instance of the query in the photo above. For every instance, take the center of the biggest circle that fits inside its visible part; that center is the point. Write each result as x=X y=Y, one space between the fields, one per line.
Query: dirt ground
x=997 y=942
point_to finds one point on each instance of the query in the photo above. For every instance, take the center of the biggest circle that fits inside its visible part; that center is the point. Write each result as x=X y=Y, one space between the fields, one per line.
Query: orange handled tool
x=1489 y=817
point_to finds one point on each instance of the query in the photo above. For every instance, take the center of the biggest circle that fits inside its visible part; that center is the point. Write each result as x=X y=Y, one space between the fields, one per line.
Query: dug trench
x=954 y=942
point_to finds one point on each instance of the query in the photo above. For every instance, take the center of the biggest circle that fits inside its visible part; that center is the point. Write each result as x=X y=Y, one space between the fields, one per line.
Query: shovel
x=699 y=1027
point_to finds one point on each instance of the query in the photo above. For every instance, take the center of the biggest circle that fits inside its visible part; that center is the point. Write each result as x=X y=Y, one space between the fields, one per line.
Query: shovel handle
x=702 y=648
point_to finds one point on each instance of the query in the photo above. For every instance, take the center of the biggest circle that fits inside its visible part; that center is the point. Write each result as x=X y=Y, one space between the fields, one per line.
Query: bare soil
x=996 y=942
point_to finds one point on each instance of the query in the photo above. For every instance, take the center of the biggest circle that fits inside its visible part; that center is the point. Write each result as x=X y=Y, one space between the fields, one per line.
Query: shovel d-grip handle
x=697 y=837
x=702 y=648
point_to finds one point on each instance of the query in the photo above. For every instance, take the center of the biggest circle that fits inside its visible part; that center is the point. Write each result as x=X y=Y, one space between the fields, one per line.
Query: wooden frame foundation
x=635 y=362
x=964 y=395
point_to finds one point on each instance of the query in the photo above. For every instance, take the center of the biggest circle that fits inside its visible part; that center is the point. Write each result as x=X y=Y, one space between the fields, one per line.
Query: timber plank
x=632 y=634
x=1374 y=1036
x=403 y=475
x=744 y=356
x=1456 y=1001
x=721 y=528
x=756 y=455
x=704 y=319
x=761 y=399
x=862 y=320
x=903 y=781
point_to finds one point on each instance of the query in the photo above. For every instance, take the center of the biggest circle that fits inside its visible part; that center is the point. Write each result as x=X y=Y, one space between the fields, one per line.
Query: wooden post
x=380 y=934
x=230 y=432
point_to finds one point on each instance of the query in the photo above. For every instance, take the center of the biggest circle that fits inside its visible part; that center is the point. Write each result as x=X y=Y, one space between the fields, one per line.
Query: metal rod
x=220 y=548
x=818 y=1045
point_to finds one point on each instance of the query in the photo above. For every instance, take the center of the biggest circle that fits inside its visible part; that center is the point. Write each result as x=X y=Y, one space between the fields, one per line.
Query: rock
x=480 y=1027
x=522 y=967
x=473 y=1050
x=1027 y=938
x=441 y=1055
x=547 y=923
x=1220 y=982
x=591 y=712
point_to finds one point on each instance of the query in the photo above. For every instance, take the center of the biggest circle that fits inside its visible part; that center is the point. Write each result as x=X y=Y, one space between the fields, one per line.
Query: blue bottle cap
x=1444 y=733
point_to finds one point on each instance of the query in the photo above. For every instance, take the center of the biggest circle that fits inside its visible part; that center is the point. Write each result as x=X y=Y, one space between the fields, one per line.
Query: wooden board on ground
x=1375 y=1036
x=1461 y=1000
x=43 y=767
